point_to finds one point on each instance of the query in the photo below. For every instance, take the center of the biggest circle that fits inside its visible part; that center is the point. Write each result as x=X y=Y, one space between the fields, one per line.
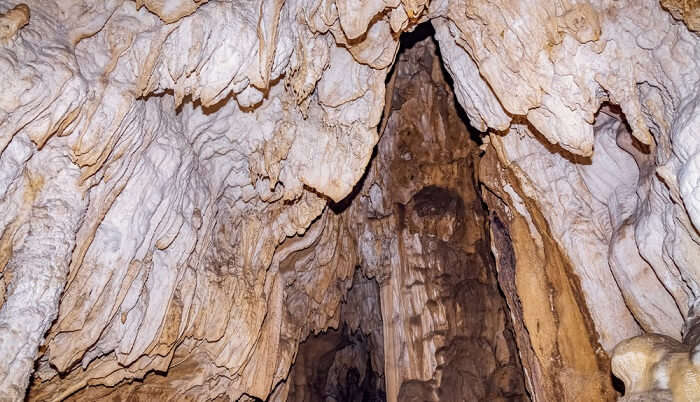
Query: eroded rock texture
x=420 y=230
x=346 y=364
x=424 y=316
x=167 y=170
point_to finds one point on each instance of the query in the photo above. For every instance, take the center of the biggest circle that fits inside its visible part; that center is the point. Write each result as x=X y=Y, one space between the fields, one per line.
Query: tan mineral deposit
x=350 y=200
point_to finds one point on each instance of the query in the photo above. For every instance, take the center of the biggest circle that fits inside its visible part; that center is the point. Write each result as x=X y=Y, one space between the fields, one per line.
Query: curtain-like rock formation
x=166 y=169
x=446 y=330
x=420 y=231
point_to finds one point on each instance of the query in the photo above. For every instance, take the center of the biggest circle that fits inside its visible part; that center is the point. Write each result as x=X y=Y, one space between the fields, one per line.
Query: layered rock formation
x=420 y=230
x=186 y=197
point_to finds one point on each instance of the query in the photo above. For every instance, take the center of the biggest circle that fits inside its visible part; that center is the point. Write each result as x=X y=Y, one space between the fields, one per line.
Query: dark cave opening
x=344 y=364
x=341 y=369
x=449 y=335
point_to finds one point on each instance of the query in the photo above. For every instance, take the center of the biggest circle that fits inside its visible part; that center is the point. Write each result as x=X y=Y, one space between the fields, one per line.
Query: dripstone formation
x=315 y=200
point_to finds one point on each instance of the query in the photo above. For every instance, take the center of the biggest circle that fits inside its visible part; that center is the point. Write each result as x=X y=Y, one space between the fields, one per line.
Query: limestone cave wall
x=215 y=200
x=441 y=327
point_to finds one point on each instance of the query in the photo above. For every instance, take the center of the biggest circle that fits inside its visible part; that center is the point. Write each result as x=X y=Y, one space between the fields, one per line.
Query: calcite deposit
x=349 y=200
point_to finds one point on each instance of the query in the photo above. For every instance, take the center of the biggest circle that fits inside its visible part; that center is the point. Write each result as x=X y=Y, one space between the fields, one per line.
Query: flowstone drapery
x=174 y=181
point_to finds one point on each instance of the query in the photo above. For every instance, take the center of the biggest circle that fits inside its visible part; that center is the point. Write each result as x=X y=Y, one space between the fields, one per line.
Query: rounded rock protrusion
x=12 y=21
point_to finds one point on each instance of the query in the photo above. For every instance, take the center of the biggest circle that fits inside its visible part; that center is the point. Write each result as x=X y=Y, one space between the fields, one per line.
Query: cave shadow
x=218 y=105
x=408 y=40
x=617 y=384
x=342 y=205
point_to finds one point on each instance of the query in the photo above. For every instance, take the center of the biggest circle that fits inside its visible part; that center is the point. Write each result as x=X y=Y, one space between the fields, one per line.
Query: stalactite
x=191 y=189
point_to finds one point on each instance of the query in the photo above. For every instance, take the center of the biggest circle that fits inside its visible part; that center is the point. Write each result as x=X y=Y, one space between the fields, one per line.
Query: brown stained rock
x=555 y=334
x=185 y=243
x=171 y=11
x=686 y=10
x=582 y=22
x=341 y=364
x=420 y=230
x=446 y=331
x=12 y=21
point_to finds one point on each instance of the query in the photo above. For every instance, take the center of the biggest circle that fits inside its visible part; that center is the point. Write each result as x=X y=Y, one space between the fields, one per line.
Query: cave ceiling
x=191 y=189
